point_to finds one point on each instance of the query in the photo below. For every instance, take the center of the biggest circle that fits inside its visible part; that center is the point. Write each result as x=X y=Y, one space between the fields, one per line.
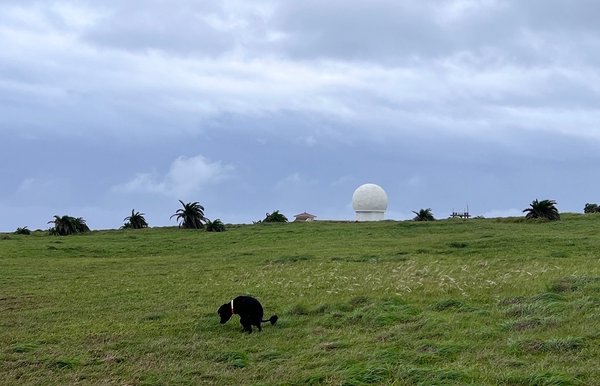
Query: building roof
x=304 y=214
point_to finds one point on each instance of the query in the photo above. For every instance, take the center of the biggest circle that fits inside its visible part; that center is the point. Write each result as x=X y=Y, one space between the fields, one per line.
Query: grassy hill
x=450 y=302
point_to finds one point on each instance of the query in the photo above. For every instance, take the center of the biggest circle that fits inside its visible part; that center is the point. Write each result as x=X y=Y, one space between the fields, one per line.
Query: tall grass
x=447 y=302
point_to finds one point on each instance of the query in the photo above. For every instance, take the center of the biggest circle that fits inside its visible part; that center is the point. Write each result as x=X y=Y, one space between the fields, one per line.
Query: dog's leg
x=247 y=326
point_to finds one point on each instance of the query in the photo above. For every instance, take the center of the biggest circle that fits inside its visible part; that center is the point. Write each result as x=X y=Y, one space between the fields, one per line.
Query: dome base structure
x=369 y=215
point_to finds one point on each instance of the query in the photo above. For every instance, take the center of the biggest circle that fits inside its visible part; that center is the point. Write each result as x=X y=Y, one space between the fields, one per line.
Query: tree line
x=191 y=216
x=538 y=209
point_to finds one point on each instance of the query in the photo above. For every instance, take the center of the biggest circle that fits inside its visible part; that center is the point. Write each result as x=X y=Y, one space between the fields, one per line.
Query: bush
x=424 y=215
x=22 y=231
x=215 y=226
x=67 y=225
x=275 y=217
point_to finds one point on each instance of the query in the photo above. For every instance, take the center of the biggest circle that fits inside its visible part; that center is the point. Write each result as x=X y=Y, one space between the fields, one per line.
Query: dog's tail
x=272 y=319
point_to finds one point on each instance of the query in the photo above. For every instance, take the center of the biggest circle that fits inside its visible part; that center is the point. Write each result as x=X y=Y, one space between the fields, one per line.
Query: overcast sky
x=250 y=106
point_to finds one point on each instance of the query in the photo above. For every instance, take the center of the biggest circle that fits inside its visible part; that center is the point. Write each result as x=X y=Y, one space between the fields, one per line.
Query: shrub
x=215 y=226
x=67 y=225
x=423 y=215
x=22 y=231
x=275 y=217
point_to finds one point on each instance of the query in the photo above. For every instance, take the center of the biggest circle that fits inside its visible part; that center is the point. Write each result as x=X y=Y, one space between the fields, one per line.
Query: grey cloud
x=156 y=25
x=397 y=31
x=184 y=28
x=382 y=31
x=355 y=30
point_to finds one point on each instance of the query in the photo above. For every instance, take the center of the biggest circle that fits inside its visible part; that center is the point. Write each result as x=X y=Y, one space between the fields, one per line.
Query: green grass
x=479 y=302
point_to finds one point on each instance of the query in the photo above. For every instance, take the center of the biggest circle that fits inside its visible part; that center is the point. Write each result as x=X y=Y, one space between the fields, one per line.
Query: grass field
x=481 y=302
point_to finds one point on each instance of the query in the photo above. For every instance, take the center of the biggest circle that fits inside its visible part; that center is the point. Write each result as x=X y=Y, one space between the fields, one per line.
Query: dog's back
x=248 y=307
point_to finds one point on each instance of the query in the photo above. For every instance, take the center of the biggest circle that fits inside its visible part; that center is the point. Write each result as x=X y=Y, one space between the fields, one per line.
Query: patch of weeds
x=586 y=303
x=334 y=319
x=558 y=254
x=332 y=346
x=269 y=355
x=521 y=310
x=359 y=301
x=570 y=284
x=431 y=376
x=67 y=363
x=292 y=259
x=399 y=330
x=345 y=307
x=388 y=356
x=112 y=358
x=427 y=359
x=540 y=379
x=564 y=344
x=396 y=257
x=549 y=297
x=365 y=259
x=458 y=244
x=366 y=375
x=512 y=300
x=528 y=323
x=430 y=353
x=534 y=308
x=298 y=309
x=421 y=251
x=389 y=311
x=234 y=359
x=450 y=305
x=24 y=348
x=558 y=345
x=320 y=309
x=152 y=316
x=314 y=379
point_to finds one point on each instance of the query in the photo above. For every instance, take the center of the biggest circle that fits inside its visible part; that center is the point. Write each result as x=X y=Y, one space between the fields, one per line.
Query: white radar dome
x=369 y=201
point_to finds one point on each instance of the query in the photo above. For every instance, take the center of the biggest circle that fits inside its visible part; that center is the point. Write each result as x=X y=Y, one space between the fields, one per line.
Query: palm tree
x=67 y=225
x=135 y=221
x=22 y=231
x=215 y=226
x=423 y=215
x=191 y=216
x=80 y=225
x=545 y=209
x=275 y=217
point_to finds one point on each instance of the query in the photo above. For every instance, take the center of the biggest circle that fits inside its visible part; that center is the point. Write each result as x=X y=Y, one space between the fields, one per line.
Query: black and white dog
x=249 y=310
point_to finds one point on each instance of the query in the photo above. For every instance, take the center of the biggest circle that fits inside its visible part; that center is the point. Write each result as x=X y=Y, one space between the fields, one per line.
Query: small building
x=304 y=217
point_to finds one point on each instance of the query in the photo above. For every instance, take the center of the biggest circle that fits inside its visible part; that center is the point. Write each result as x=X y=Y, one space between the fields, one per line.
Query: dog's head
x=225 y=312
